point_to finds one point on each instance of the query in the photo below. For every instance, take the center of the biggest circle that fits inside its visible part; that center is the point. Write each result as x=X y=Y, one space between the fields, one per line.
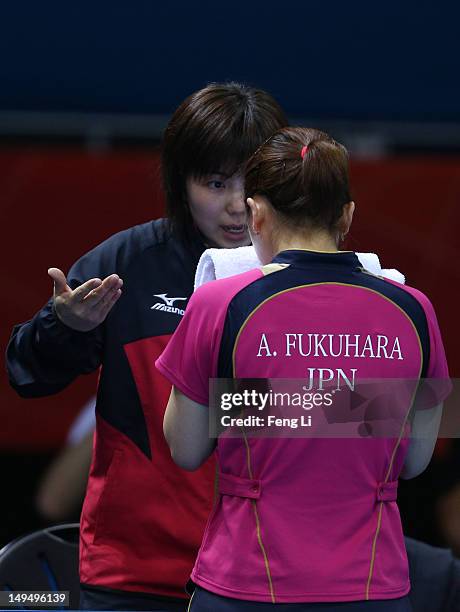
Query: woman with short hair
x=143 y=518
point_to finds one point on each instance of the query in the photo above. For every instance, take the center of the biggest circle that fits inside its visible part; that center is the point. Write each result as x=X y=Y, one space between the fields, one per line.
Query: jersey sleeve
x=190 y=358
x=437 y=366
x=436 y=387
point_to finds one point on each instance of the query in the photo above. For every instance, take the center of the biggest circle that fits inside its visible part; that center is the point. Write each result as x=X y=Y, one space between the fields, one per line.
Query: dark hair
x=216 y=129
x=308 y=190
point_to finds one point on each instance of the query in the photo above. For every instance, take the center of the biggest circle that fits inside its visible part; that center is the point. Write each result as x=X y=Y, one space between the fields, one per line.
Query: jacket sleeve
x=44 y=355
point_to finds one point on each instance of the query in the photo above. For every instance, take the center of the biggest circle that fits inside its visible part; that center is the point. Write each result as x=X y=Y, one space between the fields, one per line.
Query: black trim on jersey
x=308 y=268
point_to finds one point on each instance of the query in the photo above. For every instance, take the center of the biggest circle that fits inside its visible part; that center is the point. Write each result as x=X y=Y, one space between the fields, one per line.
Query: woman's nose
x=236 y=204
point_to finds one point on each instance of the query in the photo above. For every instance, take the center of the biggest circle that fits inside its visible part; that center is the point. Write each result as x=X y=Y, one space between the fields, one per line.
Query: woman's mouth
x=235 y=232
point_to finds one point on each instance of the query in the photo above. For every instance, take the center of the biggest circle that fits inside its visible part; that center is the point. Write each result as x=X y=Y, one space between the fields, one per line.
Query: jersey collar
x=304 y=258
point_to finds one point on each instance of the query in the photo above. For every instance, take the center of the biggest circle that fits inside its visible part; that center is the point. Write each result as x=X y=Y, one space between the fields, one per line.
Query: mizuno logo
x=168 y=304
x=168 y=301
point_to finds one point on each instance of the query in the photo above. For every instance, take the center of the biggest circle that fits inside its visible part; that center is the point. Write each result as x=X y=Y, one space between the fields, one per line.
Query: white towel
x=221 y=263
x=395 y=275
x=371 y=263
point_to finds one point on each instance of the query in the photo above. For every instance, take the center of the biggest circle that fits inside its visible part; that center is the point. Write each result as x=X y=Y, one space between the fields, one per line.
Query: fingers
x=85 y=307
x=103 y=291
x=81 y=292
x=59 y=280
x=106 y=303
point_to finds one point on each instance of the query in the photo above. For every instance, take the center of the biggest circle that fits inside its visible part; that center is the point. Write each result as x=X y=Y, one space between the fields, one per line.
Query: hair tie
x=303 y=151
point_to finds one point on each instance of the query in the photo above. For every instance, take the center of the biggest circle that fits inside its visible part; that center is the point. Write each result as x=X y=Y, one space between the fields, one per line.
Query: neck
x=312 y=241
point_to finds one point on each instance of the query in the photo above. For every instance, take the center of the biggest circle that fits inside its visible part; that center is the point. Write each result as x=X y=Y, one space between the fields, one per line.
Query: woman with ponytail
x=304 y=521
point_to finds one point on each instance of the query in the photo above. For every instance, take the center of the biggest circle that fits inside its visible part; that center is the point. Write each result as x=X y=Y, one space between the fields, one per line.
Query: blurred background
x=86 y=90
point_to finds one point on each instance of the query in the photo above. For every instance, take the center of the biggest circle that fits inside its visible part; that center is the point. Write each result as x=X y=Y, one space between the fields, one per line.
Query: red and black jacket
x=143 y=517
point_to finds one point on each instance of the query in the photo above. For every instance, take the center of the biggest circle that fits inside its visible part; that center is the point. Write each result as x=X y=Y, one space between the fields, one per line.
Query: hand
x=85 y=307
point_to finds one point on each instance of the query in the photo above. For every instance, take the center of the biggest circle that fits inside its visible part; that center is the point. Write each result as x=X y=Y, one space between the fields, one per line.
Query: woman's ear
x=251 y=204
x=254 y=218
x=347 y=218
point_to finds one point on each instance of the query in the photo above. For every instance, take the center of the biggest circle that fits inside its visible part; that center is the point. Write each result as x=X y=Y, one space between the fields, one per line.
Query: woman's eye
x=216 y=184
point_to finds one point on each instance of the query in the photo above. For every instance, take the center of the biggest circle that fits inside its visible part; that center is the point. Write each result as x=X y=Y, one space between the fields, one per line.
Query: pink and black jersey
x=305 y=519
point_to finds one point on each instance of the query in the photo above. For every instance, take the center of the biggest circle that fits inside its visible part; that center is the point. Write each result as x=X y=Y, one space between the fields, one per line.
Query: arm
x=186 y=429
x=189 y=360
x=431 y=393
x=65 y=338
x=425 y=428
